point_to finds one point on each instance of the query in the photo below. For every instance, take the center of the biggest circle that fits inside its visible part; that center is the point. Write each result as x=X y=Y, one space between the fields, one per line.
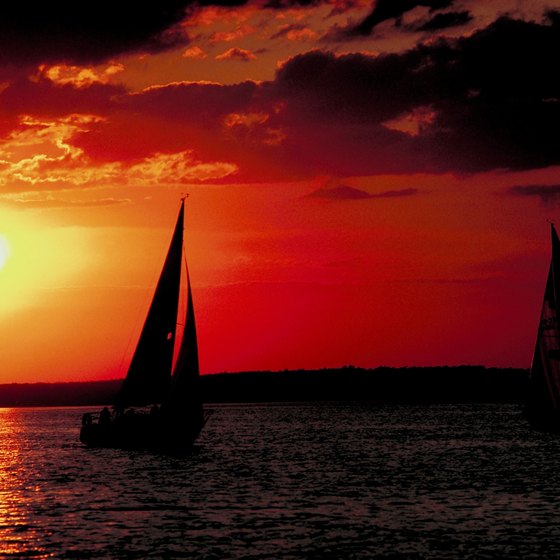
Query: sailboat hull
x=143 y=432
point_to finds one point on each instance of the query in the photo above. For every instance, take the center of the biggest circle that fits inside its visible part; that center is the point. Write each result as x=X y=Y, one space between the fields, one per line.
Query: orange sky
x=369 y=183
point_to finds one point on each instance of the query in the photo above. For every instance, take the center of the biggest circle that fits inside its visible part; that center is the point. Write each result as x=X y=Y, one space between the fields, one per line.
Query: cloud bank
x=490 y=100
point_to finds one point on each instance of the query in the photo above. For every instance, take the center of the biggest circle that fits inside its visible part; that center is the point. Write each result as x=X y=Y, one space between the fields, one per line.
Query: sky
x=369 y=182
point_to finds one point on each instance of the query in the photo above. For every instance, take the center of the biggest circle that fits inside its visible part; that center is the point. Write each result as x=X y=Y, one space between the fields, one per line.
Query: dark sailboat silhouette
x=543 y=397
x=176 y=414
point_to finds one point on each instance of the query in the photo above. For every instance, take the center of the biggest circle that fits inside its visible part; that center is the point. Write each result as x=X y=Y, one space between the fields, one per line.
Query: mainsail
x=543 y=400
x=148 y=379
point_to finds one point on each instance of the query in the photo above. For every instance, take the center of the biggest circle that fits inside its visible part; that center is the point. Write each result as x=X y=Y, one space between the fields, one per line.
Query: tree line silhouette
x=348 y=383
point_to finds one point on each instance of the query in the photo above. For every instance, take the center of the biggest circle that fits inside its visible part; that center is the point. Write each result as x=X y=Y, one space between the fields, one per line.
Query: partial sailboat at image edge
x=173 y=414
x=542 y=406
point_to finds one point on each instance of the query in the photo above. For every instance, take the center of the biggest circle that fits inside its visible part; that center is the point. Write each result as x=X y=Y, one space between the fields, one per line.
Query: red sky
x=369 y=182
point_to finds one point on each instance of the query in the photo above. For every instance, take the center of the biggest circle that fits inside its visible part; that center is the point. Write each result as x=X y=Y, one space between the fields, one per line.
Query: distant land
x=349 y=383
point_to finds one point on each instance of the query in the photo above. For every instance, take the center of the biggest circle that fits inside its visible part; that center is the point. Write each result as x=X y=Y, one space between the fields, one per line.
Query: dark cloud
x=344 y=192
x=396 y=193
x=445 y=20
x=352 y=87
x=494 y=99
x=341 y=192
x=343 y=6
x=175 y=118
x=91 y=32
x=225 y=3
x=85 y=31
x=39 y=96
x=553 y=16
x=393 y=9
x=202 y=101
x=548 y=194
x=281 y=4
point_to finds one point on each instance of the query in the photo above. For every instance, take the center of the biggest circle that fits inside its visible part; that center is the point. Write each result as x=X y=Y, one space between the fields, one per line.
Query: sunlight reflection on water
x=287 y=481
x=17 y=536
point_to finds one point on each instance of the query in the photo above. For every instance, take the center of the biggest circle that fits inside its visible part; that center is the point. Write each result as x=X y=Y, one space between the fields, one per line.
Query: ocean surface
x=287 y=481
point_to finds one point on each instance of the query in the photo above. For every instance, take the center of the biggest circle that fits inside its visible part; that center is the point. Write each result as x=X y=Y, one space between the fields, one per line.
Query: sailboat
x=171 y=415
x=542 y=407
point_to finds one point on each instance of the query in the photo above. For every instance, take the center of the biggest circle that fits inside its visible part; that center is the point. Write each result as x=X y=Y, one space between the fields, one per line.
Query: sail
x=184 y=397
x=543 y=402
x=149 y=375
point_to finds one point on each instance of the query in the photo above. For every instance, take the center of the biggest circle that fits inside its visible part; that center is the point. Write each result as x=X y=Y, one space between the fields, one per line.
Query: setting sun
x=4 y=250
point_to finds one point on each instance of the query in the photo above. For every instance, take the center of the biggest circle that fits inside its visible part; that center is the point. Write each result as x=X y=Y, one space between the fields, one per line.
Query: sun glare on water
x=4 y=250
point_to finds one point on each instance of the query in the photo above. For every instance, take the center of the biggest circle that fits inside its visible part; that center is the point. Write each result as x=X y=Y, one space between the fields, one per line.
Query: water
x=294 y=481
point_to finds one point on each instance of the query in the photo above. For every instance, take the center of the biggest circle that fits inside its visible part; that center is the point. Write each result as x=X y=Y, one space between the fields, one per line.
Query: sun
x=4 y=250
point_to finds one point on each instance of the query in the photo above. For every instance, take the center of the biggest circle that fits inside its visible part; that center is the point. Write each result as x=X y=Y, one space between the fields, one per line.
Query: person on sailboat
x=105 y=416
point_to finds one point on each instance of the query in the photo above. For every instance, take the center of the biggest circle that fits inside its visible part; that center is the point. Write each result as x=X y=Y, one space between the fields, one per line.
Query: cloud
x=548 y=194
x=485 y=101
x=49 y=95
x=341 y=192
x=396 y=193
x=86 y=32
x=489 y=100
x=330 y=189
x=295 y=32
x=393 y=9
x=444 y=21
x=42 y=153
x=194 y=52
x=235 y=53
x=78 y=76
x=180 y=167
x=228 y=36
x=553 y=16
x=169 y=119
x=39 y=152
x=92 y=32
x=343 y=6
x=282 y=4
x=34 y=201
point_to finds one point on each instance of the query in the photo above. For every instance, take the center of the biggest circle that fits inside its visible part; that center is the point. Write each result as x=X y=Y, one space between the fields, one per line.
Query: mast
x=149 y=375
x=184 y=396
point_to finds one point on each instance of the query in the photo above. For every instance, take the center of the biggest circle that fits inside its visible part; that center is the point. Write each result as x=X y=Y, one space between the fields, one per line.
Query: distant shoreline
x=383 y=384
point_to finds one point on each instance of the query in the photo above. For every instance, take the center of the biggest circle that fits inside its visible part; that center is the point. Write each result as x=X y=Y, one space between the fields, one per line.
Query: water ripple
x=298 y=481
